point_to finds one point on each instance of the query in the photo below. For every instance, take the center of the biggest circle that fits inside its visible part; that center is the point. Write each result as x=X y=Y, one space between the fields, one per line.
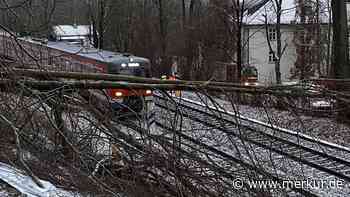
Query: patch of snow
x=24 y=184
x=3 y=194
x=322 y=104
x=290 y=83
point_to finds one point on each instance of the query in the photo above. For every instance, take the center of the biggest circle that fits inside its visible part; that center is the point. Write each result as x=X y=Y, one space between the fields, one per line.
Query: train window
x=50 y=60
x=142 y=70
x=81 y=67
x=138 y=72
x=75 y=66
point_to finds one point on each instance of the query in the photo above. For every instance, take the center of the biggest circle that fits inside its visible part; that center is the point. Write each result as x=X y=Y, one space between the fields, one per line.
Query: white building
x=256 y=49
x=71 y=32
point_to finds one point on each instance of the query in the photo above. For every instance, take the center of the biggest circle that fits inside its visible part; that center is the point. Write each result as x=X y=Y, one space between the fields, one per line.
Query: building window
x=272 y=33
x=271 y=58
x=50 y=62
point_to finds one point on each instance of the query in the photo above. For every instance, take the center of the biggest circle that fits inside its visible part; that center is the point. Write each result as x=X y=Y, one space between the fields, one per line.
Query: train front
x=128 y=100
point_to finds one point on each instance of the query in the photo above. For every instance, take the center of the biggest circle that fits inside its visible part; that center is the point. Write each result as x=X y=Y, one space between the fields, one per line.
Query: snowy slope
x=24 y=184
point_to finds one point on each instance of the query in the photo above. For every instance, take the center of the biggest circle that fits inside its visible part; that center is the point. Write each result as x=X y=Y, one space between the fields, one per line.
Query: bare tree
x=308 y=40
x=34 y=17
x=278 y=52
x=98 y=14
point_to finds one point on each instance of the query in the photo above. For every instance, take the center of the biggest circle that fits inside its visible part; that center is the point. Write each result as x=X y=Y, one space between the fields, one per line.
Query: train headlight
x=246 y=83
x=148 y=92
x=123 y=65
x=118 y=94
x=134 y=64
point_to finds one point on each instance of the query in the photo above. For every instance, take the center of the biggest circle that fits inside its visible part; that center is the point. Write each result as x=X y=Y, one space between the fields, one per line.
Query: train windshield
x=138 y=71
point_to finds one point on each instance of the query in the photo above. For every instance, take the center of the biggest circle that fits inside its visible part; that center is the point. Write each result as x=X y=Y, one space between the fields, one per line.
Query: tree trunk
x=340 y=65
x=279 y=44
x=187 y=74
x=239 y=16
x=63 y=134
x=95 y=33
x=162 y=26
x=91 y=15
x=329 y=33
x=101 y=23
x=183 y=15
x=318 y=39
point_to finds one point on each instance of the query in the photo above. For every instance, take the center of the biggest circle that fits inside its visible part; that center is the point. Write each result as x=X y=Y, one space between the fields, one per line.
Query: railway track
x=231 y=166
x=328 y=160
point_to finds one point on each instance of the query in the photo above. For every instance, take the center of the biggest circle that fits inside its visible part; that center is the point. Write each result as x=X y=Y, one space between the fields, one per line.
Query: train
x=76 y=55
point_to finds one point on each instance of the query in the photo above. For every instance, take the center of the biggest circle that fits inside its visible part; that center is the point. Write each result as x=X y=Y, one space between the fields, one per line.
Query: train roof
x=90 y=52
x=78 y=49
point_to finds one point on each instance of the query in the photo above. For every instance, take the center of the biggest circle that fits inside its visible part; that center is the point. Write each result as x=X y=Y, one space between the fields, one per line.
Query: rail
x=296 y=151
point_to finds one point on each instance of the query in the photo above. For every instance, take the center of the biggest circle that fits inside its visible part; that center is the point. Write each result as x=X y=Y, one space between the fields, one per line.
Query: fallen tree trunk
x=108 y=77
x=8 y=84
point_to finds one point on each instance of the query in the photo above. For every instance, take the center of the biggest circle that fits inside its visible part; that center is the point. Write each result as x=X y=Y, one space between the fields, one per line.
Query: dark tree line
x=195 y=33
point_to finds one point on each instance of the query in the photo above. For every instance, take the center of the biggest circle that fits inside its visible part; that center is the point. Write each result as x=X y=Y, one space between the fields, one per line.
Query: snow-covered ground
x=267 y=160
x=7 y=191
x=25 y=185
x=319 y=127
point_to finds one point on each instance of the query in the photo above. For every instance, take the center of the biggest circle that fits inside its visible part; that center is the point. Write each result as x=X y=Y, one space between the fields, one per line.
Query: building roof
x=251 y=6
x=72 y=31
x=92 y=53
x=258 y=9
